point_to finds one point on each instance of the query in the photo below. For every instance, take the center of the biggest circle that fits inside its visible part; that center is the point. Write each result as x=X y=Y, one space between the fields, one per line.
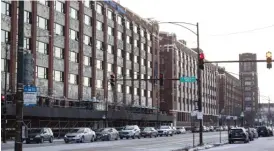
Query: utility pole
x=268 y=111
x=5 y=94
x=199 y=84
x=20 y=79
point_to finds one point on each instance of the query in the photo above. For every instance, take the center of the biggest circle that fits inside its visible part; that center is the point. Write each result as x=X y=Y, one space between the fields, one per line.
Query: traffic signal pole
x=20 y=79
x=199 y=88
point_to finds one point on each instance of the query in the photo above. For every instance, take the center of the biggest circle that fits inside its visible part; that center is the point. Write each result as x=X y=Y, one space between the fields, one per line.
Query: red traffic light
x=2 y=97
x=202 y=56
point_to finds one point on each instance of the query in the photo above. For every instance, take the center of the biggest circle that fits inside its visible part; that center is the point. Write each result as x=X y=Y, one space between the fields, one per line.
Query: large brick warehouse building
x=76 y=46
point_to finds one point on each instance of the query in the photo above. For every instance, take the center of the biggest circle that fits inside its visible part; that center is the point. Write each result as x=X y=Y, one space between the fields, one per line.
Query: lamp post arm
x=179 y=24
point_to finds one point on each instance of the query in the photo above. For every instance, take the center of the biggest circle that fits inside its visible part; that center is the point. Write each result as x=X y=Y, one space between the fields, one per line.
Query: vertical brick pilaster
x=154 y=101
x=34 y=35
x=105 y=62
x=132 y=63
x=51 y=49
x=66 y=53
x=146 y=51
x=81 y=53
x=93 y=49
x=124 y=36
x=115 y=55
x=140 y=66
x=13 y=46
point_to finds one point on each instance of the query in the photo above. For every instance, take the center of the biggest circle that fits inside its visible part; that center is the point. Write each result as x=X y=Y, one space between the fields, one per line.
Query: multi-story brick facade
x=77 y=45
x=249 y=76
x=177 y=60
x=230 y=94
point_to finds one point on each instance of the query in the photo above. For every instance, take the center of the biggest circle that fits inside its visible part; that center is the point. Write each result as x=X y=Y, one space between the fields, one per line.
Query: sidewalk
x=205 y=146
x=12 y=142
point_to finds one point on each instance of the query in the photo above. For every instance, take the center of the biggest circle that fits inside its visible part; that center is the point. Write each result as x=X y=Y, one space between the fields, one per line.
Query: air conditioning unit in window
x=90 y=43
x=76 y=38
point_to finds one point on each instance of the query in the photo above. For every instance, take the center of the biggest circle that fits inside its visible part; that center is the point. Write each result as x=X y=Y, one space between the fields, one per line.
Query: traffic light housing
x=112 y=80
x=3 y=104
x=201 y=61
x=269 y=60
x=161 y=79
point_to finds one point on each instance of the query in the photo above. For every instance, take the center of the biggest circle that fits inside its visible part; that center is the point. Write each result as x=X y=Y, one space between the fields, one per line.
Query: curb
x=202 y=147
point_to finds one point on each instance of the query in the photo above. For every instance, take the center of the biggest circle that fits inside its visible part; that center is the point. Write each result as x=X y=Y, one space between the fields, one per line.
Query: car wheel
x=127 y=137
x=82 y=139
x=27 y=142
x=109 y=138
x=51 y=139
x=41 y=140
x=139 y=137
x=117 y=138
x=133 y=137
x=92 y=138
x=66 y=142
x=150 y=135
x=121 y=137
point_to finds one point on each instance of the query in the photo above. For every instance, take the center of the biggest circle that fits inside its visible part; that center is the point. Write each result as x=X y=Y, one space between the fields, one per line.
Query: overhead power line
x=246 y=31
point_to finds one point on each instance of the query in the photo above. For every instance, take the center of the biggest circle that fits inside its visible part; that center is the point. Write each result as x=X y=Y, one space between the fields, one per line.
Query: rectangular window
x=149 y=64
x=110 y=15
x=99 y=26
x=136 y=59
x=87 y=60
x=142 y=76
x=148 y=50
x=73 y=78
x=128 y=39
x=99 y=45
x=87 y=3
x=127 y=56
x=110 y=67
x=128 y=73
x=149 y=94
x=59 y=29
x=73 y=34
x=59 y=6
x=41 y=72
x=27 y=43
x=127 y=24
x=119 y=35
x=142 y=32
x=88 y=20
x=119 y=20
x=110 y=49
x=142 y=92
x=87 y=40
x=44 y=2
x=42 y=47
x=110 y=31
x=5 y=36
x=27 y=17
x=148 y=36
x=135 y=91
x=142 y=46
x=119 y=70
x=58 y=76
x=5 y=8
x=119 y=52
x=87 y=81
x=99 y=64
x=99 y=84
x=135 y=43
x=58 y=52
x=73 y=57
x=135 y=75
x=119 y=88
x=135 y=29
x=42 y=22
x=142 y=61
x=127 y=89
x=99 y=9
x=73 y=13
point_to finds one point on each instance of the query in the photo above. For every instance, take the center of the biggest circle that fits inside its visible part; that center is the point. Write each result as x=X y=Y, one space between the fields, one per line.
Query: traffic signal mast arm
x=233 y=61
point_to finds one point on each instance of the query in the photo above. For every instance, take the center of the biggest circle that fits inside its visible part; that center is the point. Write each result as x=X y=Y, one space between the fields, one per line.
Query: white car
x=130 y=131
x=181 y=130
x=81 y=135
x=165 y=130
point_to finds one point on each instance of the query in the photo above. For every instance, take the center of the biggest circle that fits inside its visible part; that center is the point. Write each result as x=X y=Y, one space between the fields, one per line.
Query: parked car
x=211 y=129
x=270 y=129
x=220 y=128
x=250 y=134
x=149 y=132
x=263 y=131
x=39 y=135
x=238 y=134
x=107 y=134
x=81 y=135
x=130 y=131
x=165 y=130
x=255 y=133
x=181 y=130
x=119 y=129
x=174 y=130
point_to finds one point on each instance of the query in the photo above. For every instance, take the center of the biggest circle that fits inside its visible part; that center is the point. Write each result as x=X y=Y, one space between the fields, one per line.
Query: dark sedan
x=263 y=131
x=107 y=134
x=149 y=132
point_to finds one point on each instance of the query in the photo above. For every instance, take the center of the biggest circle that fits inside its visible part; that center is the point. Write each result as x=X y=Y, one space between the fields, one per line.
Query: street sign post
x=30 y=95
x=188 y=79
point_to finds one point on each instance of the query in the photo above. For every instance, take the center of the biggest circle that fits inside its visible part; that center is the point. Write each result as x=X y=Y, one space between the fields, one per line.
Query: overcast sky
x=217 y=19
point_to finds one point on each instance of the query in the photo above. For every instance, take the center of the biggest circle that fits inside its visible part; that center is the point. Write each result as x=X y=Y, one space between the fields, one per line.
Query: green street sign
x=187 y=79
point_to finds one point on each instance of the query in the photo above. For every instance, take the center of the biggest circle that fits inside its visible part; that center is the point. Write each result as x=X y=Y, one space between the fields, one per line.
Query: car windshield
x=119 y=128
x=34 y=130
x=262 y=128
x=129 y=128
x=147 y=129
x=78 y=130
x=236 y=130
x=164 y=127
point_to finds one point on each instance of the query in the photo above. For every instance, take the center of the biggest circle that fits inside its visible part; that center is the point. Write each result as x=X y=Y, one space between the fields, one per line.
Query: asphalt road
x=148 y=144
x=261 y=144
